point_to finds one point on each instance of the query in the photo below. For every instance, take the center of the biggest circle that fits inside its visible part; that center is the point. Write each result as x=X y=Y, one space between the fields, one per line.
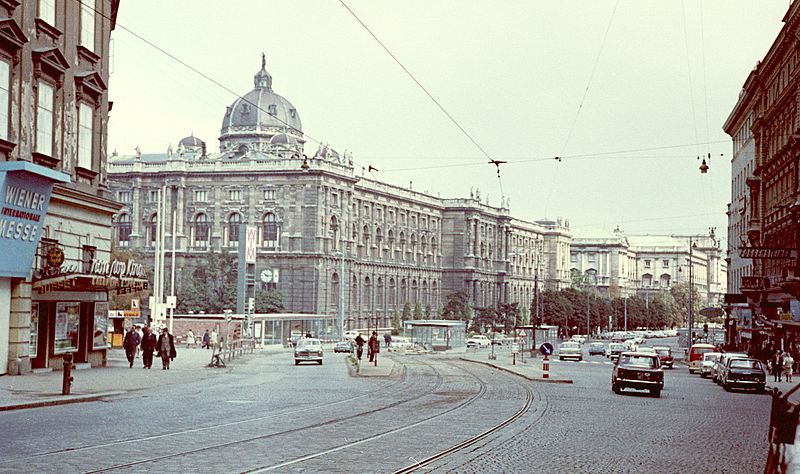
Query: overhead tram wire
x=580 y=106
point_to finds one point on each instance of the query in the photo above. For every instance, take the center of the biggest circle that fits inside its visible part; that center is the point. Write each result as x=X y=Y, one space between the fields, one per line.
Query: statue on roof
x=263 y=60
x=169 y=151
x=138 y=152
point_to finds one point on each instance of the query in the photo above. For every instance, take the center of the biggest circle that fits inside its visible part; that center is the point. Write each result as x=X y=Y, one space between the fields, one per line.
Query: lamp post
x=690 y=297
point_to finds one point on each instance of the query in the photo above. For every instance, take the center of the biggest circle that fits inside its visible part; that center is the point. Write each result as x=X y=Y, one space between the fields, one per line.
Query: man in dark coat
x=206 y=340
x=148 y=345
x=166 y=348
x=387 y=338
x=360 y=346
x=130 y=343
x=374 y=347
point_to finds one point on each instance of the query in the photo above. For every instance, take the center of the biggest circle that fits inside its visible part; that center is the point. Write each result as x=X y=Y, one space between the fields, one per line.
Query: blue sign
x=546 y=349
x=24 y=195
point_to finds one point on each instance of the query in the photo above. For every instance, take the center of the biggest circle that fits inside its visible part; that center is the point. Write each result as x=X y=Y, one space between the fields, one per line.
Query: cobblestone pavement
x=269 y=414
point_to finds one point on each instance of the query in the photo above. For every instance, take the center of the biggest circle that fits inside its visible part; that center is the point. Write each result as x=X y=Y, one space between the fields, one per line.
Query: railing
x=228 y=352
x=783 y=422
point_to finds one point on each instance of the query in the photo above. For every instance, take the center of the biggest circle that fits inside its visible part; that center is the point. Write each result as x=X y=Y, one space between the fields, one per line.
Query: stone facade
x=397 y=245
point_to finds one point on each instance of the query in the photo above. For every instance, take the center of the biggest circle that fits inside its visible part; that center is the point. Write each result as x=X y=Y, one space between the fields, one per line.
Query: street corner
x=365 y=368
x=526 y=371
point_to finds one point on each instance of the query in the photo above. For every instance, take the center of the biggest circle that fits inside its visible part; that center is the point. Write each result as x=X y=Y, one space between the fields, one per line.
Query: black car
x=638 y=370
x=744 y=373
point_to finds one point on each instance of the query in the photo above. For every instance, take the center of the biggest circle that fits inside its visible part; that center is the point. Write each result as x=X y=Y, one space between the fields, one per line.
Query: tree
x=484 y=318
x=406 y=311
x=396 y=325
x=457 y=306
x=428 y=311
x=209 y=285
x=680 y=293
x=417 y=310
x=557 y=309
x=269 y=301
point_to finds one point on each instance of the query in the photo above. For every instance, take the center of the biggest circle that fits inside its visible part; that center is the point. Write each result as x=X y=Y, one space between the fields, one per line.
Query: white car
x=351 y=335
x=579 y=339
x=570 y=350
x=400 y=344
x=478 y=341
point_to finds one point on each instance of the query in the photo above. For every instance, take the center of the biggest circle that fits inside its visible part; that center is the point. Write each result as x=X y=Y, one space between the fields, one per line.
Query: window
x=233 y=229
x=201 y=195
x=235 y=195
x=201 y=230
x=87 y=24
x=5 y=78
x=100 y=332
x=34 y=341
x=591 y=258
x=152 y=230
x=270 y=230
x=85 y=122
x=44 y=119
x=665 y=263
x=47 y=11
x=269 y=194
x=152 y=195
x=124 y=230
x=124 y=196
x=335 y=200
x=88 y=253
x=647 y=264
x=68 y=317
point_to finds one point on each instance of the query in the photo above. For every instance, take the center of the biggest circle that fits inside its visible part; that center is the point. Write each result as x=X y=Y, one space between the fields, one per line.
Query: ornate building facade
x=325 y=230
x=622 y=265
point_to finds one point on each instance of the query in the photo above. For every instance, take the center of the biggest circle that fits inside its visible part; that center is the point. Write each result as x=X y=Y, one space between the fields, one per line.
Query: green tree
x=457 y=306
x=406 y=311
x=417 y=311
x=209 y=285
x=269 y=301
x=428 y=311
x=557 y=309
x=396 y=324
x=680 y=293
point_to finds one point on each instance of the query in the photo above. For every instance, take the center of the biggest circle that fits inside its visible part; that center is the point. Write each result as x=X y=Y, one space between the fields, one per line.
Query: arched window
x=414 y=292
x=270 y=231
x=434 y=249
x=124 y=230
x=591 y=276
x=665 y=280
x=335 y=289
x=392 y=293
x=365 y=241
x=201 y=230
x=424 y=249
x=402 y=245
x=413 y=248
x=403 y=291
x=366 y=300
x=390 y=237
x=335 y=232
x=152 y=228
x=435 y=294
x=425 y=296
x=354 y=295
x=379 y=241
x=647 y=280
x=379 y=295
x=234 y=221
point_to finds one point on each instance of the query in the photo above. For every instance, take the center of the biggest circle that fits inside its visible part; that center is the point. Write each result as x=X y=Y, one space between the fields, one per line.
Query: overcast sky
x=662 y=78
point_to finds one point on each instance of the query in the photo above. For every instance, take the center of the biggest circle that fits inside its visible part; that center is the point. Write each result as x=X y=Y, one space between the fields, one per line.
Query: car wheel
x=760 y=390
x=703 y=375
x=617 y=389
x=297 y=362
x=691 y=371
x=656 y=392
x=319 y=362
x=727 y=387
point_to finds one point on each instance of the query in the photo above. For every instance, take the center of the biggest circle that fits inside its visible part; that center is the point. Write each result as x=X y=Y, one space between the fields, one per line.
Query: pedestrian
x=166 y=348
x=387 y=338
x=148 y=345
x=360 y=346
x=214 y=339
x=190 y=342
x=131 y=344
x=206 y=340
x=140 y=332
x=374 y=347
x=788 y=366
x=776 y=366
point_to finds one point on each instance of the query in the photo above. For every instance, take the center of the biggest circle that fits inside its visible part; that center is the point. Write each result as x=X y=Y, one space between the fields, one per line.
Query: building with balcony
x=399 y=245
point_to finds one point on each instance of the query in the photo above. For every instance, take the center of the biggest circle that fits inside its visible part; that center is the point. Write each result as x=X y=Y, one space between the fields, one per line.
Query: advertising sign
x=763 y=252
x=24 y=197
x=251 y=241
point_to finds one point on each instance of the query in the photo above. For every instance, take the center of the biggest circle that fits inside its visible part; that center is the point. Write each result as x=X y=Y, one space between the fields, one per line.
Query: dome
x=190 y=141
x=261 y=119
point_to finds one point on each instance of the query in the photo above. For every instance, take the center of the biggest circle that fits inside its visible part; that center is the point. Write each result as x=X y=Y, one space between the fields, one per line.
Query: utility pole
x=588 y=322
x=625 y=311
x=691 y=290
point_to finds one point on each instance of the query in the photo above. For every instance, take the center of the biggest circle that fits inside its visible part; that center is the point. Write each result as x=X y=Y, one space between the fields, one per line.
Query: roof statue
x=169 y=151
x=138 y=152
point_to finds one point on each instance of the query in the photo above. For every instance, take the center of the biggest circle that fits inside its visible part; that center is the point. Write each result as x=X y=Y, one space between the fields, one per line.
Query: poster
x=32 y=348
x=67 y=325
x=100 y=332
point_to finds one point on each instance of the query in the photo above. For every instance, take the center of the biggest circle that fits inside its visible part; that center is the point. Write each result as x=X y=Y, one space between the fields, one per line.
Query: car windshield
x=597 y=344
x=711 y=357
x=745 y=364
x=638 y=361
x=663 y=352
x=308 y=343
x=615 y=346
x=570 y=345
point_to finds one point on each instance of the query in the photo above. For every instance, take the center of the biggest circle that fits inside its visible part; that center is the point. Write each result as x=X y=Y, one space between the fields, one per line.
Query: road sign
x=514 y=348
x=712 y=312
x=172 y=302
x=546 y=349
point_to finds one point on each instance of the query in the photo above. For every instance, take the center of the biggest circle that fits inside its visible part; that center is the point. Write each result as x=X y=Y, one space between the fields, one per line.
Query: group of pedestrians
x=143 y=340
x=781 y=365
x=373 y=347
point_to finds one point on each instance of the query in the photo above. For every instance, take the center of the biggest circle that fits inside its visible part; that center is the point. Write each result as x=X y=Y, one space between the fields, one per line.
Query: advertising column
x=24 y=196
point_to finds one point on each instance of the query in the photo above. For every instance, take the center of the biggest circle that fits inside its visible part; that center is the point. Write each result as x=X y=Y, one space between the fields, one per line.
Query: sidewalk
x=530 y=369
x=383 y=369
x=44 y=389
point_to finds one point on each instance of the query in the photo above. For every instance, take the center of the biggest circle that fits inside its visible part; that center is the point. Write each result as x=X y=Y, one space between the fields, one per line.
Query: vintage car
x=707 y=366
x=478 y=341
x=308 y=350
x=343 y=346
x=719 y=364
x=638 y=370
x=665 y=356
x=696 y=356
x=744 y=373
x=596 y=348
x=614 y=350
x=570 y=350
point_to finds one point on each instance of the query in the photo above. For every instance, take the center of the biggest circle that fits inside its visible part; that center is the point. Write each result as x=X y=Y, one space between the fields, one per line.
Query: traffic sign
x=546 y=348
x=514 y=348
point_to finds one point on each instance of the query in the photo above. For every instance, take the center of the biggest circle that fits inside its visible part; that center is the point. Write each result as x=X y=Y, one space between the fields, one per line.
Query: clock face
x=266 y=275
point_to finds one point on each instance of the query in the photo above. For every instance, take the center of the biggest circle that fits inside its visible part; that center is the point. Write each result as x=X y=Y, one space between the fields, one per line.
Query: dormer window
x=293 y=113
x=273 y=109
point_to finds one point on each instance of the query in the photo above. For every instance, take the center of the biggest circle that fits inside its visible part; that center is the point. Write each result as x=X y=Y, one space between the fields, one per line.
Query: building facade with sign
x=765 y=123
x=325 y=230
x=54 y=69
x=622 y=265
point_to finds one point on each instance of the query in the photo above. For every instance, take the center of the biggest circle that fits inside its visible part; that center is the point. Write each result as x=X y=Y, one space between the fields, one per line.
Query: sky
x=628 y=93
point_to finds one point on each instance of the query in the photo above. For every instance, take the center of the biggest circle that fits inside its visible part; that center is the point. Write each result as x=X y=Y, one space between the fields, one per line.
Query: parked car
x=400 y=343
x=614 y=350
x=478 y=341
x=570 y=350
x=744 y=373
x=647 y=350
x=696 y=356
x=665 y=356
x=351 y=335
x=638 y=370
x=719 y=365
x=578 y=338
x=499 y=340
x=596 y=348
x=308 y=350
x=343 y=346
x=707 y=366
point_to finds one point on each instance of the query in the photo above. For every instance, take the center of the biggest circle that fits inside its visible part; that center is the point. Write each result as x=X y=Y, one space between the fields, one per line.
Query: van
x=696 y=356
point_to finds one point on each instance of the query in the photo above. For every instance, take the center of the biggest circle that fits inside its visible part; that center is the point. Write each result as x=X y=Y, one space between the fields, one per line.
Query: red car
x=664 y=355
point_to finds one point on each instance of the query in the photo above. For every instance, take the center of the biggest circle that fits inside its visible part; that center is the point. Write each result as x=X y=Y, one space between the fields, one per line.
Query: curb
x=532 y=379
x=59 y=401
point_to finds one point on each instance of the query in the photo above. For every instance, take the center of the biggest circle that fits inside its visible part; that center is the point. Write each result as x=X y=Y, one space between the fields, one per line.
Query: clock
x=266 y=275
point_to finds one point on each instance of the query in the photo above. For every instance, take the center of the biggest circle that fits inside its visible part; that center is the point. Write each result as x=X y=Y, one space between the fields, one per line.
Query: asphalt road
x=270 y=415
